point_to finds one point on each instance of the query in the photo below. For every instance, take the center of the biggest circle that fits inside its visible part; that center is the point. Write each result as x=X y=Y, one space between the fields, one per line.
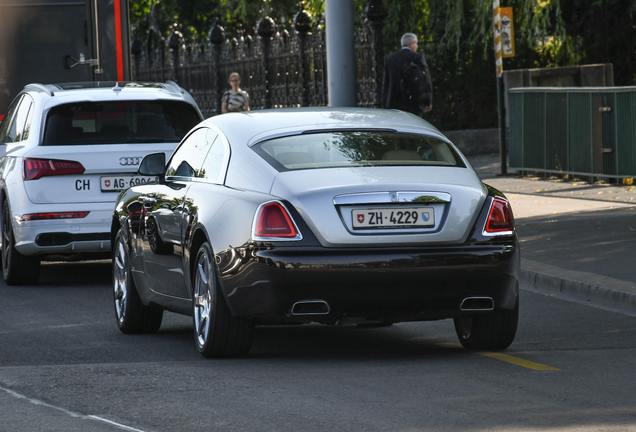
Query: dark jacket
x=394 y=64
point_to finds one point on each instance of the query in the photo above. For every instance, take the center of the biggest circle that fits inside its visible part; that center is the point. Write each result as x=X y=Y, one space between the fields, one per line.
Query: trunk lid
x=330 y=200
x=112 y=163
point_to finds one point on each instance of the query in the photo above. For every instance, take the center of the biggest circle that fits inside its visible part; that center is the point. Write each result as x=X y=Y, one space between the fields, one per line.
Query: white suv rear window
x=119 y=122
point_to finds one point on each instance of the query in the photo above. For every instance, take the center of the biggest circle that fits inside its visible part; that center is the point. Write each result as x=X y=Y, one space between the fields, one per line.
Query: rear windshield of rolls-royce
x=365 y=148
x=119 y=122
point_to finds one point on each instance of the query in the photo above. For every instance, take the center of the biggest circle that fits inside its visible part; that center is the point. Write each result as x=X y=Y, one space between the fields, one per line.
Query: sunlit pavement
x=576 y=238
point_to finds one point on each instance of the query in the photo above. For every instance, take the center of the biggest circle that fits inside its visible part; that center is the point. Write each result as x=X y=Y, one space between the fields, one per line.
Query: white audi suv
x=66 y=151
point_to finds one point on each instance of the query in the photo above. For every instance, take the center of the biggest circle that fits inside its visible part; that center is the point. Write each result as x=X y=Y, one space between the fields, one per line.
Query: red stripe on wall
x=1 y=117
x=118 y=41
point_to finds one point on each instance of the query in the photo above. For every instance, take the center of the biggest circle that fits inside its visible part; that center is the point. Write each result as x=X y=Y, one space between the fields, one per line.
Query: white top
x=236 y=101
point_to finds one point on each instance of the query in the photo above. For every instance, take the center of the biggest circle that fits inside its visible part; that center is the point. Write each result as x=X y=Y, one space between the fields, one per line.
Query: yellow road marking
x=505 y=357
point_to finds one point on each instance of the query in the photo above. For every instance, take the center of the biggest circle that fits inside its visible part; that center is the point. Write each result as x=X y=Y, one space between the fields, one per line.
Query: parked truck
x=55 y=41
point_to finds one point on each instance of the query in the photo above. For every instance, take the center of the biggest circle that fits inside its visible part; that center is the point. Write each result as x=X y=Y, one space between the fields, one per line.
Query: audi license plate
x=403 y=217
x=120 y=183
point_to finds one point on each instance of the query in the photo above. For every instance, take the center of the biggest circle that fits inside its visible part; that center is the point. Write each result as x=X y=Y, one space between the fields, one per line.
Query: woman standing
x=235 y=100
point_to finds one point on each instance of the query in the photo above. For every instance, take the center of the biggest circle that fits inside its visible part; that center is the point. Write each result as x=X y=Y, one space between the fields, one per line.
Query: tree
x=601 y=31
x=548 y=32
x=456 y=36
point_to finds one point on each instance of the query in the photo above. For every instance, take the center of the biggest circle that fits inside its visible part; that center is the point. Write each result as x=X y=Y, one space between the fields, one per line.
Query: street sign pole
x=496 y=27
x=500 y=89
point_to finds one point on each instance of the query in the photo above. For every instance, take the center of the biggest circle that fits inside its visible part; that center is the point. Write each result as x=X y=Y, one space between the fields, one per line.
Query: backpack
x=414 y=87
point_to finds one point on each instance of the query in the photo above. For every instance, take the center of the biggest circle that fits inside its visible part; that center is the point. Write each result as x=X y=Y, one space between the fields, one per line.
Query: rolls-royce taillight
x=499 y=220
x=274 y=221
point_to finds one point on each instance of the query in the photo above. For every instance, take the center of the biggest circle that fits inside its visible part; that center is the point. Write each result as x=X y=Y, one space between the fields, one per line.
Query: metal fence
x=277 y=69
x=281 y=68
x=581 y=131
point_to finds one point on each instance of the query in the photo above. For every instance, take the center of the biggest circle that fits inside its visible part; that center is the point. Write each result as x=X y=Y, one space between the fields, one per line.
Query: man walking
x=396 y=92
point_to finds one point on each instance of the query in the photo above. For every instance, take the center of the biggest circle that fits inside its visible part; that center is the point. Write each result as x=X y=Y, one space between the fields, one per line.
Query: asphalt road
x=600 y=242
x=64 y=366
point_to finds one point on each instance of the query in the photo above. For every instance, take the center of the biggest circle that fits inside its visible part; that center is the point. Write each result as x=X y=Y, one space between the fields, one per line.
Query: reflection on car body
x=271 y=224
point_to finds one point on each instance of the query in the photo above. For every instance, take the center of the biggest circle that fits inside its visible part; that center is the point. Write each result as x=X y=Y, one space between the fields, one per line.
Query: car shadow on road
x=76 y=273
x=307 y=343
x=400 y=341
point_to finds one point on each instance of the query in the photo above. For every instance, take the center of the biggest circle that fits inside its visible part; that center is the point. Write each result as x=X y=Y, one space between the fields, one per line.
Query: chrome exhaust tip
x=477 y=304
x=310 y=307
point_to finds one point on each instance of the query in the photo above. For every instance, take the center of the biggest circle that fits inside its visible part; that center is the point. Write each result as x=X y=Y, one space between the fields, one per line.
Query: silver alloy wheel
x=202 y=299
x=120 y=280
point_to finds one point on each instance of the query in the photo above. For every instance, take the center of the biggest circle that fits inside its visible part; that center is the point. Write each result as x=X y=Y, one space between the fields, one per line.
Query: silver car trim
x=42 y=87
x=495 y=234
x=392 y=197
x=129 y=160
x=465 y=305
x=299 y=130
x=325 y=311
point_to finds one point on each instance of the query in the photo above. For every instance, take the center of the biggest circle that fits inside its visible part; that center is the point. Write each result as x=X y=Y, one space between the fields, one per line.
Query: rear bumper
x=392 y=285
x=67 y=243
x=69 y=236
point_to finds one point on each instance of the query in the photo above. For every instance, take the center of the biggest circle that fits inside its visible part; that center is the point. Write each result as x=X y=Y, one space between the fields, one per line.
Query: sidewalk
x=576 y=238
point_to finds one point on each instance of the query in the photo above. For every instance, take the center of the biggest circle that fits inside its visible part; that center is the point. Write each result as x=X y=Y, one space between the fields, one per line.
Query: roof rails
x=176 y=86
x=50 y=88
x=42 y=87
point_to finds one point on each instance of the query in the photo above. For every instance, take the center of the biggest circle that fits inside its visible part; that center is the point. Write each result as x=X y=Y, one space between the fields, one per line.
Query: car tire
x=492 y=331
x=17 y=269
x=217 y=333
x=132 y=316
x=157 y=245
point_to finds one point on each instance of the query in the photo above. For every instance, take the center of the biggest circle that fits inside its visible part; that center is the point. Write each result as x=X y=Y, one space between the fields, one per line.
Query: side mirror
x=153 y=164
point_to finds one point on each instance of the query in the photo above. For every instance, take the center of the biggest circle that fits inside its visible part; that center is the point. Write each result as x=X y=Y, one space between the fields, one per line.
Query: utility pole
x=341 y=57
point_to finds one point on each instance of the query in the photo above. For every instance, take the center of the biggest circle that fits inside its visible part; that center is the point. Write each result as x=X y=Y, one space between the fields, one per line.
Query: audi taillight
x=37 y=168
x=500 y=220
x=274 y=221
x=58 y=215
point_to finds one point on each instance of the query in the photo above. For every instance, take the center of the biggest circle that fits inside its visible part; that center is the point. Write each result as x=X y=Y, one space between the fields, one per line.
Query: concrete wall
x=473 y=142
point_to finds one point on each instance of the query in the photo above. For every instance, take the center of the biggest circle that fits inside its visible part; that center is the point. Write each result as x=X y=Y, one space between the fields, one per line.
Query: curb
x=582 y=286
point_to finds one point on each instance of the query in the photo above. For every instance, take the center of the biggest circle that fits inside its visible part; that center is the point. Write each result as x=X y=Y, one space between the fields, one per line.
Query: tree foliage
x=548 y=32
x=456 y=35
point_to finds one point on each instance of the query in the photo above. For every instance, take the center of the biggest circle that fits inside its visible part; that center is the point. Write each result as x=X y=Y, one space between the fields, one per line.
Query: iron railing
x=281 y=68
x=582 y=131
x=277 y=70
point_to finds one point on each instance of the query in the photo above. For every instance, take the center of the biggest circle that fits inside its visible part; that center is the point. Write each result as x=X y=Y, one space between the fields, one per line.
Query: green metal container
x=584 y=131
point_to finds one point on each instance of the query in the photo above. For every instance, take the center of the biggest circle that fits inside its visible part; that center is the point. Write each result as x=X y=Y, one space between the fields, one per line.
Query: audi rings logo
x=128 y=161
